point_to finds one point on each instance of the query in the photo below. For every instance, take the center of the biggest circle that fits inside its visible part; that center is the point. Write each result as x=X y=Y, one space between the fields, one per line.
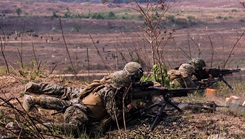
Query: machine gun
x=147 y=90
x=220 y=73
x=215 y=74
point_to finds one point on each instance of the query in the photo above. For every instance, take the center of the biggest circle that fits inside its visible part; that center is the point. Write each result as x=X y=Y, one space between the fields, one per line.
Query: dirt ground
x=221 y=124
x=101 y=44
x=115 y=36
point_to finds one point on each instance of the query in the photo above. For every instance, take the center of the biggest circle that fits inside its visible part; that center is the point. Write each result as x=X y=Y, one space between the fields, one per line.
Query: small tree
x=155 y=33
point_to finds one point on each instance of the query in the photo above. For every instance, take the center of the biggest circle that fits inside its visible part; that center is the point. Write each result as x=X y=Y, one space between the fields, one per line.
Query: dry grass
x=119 y=41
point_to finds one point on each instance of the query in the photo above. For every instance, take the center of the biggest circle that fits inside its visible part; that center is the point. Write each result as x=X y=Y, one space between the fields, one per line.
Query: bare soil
x=117 y=39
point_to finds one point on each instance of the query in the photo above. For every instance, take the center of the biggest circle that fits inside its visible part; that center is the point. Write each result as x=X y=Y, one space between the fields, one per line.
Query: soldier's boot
x=32 y=87
x=29 y=102
x=44 y=102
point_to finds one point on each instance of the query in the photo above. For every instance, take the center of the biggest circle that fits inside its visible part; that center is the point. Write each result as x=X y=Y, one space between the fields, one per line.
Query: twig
x=212 y=53
x=34 y=54
x=3 y=51
x=67 y=50
x=53 y=68
x=98 y=52
x=233 y=48
x=88 y=61
x=198 y=47
x=189 y=45
x=115 y=114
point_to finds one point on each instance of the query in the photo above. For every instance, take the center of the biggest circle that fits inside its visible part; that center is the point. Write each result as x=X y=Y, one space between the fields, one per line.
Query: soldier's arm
x=111 y=105
x=114 y=106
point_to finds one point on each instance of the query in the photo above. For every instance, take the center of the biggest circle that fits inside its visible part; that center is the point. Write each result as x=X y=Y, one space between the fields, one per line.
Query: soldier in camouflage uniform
x=100 y=102
x=200 y=69
x=181 y=78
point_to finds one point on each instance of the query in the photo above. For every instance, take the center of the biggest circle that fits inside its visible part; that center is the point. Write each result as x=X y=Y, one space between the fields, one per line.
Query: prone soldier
x=181 y=78
x=211 y=74
x=99 y=102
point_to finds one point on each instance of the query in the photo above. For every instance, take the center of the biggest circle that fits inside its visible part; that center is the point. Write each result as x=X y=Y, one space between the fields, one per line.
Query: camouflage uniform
x=181 y=78
x=101 y=101
x=54 y=90
x=200 y=70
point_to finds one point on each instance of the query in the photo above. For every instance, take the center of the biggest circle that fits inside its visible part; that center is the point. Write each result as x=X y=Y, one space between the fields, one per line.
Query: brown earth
x=223 y=123
x=114 y=36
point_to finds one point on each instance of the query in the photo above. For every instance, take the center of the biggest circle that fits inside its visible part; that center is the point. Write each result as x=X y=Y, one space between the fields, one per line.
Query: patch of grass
x=3 y=71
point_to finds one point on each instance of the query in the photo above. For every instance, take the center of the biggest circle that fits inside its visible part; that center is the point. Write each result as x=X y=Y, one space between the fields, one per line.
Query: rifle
x=220 y=73
x=147 y=90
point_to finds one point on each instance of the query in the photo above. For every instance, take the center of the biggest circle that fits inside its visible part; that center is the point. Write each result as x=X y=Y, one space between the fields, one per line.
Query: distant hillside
x=200 y=3
x=94 y=1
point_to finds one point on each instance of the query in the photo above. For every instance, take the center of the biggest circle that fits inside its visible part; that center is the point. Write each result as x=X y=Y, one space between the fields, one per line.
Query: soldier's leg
x=76 y=115
x=75 y=120
x=44 y=102
x=45 y=88
x=80 y=116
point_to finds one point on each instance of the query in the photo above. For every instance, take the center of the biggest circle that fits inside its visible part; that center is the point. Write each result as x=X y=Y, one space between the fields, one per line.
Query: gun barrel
x=151 y=91
x=222 y=72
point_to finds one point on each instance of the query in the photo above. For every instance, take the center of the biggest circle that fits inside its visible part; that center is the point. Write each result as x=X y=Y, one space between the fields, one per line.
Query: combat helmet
x=134 y=69
x=120 y=79
x=198 y=63
x=186 y=70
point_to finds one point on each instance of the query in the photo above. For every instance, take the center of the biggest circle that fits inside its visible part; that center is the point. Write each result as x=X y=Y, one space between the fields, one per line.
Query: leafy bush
x=55 y=15
x=111 y=15
x=97 y=16
x=159 y=74
x=18 y=11
x=171 y=18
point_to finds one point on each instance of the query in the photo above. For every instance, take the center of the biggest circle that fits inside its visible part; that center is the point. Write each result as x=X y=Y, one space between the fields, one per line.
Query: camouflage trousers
x=66 y=93
x=76 y=118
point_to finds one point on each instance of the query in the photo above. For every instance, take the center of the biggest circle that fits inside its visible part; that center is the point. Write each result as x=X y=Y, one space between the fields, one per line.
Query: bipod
x=160 y=112
x=162 y=104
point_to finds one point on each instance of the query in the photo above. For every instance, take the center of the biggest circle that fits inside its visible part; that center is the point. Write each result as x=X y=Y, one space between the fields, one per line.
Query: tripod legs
x=160 y=112
x=158 y=116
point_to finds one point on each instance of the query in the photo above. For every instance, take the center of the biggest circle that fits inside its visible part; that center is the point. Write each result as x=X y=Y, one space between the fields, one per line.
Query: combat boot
x=29 y=102
x=32 y=87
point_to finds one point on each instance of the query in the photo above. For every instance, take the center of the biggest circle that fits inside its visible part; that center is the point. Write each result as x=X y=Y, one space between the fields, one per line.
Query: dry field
x=102 y=45
x=117 y=40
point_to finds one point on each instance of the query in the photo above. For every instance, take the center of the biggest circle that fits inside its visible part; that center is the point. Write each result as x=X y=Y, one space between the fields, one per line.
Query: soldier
x=181 y=78
x=201 y=72
x=99 y=102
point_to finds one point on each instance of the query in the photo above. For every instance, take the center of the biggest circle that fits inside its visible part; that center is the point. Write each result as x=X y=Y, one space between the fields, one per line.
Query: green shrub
x=3 y=71
x=97 y=16
x=171 y=18
x=192 y=20
x=181 y=21
x=111 y=15
x=55 y=15
x=18 y=11
x=140 y=17
x=219 y=17
x=159 y=74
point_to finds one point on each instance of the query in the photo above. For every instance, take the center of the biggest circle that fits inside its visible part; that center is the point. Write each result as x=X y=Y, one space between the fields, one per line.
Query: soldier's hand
x=136 y=104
